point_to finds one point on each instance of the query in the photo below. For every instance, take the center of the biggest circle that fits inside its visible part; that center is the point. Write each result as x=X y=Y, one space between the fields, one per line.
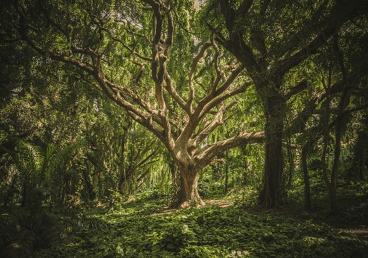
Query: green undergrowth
x=136 y=230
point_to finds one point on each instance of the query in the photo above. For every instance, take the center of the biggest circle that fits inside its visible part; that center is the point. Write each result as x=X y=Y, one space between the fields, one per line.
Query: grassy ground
x=144 y=228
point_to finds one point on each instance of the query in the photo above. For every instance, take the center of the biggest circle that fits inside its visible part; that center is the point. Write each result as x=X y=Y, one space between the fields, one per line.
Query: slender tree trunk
x=122 y=178
x=226 y=176
x=62 y=194
x=226 y=167
x=344 y=101
x=245 y=165
x=332 y=185
x=362 y=162
x=360 y=155
x=329 y=184
x=87 y=181
x=307 y=196
x=127 y=181
x=335 y=168
x=326 y=138
x=99 y=184
x=272 y=191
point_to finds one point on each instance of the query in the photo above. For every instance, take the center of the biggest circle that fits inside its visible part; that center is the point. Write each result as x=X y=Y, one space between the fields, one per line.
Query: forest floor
x=219 y=203
x=338 y=221
x=347 y=227
x=224 y=227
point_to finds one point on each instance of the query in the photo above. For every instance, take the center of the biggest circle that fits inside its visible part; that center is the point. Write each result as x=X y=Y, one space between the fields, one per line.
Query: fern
x=43 y=170
x=22 y=232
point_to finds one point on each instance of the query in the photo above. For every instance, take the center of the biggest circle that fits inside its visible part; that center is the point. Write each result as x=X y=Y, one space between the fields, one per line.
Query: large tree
x=276 y=40
x=181 y=90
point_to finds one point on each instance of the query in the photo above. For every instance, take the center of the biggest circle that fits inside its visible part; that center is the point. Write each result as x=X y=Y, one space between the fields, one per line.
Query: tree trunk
x=176 y=181
x=273 y=189
x=360 y=155
x=123 y=177
x=87 y=180
x=245 y=166
x=362 y=164
x=188 y=194
x=226 y=176
x=99 y=183
x=335 y=167
x=307 y=196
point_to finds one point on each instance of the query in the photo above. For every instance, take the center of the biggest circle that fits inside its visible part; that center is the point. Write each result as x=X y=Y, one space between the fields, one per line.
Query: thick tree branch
x=148 y=123
x=219 y=99
x=258 y=42
x=171 y=90
x=241 y=51
x=244 y=7
x=191 y=75
x=299 y=123
x=307 y=51
x=135 y=97
x=209 y=152
x=208 y=102
x=338 y=15
x=295 y=90
x=220 y=73
x=208 y=128
x=228 y=13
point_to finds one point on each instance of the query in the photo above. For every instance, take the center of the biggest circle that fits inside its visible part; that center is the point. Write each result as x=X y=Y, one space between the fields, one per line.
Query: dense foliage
x=111 y=110
x=135 y=230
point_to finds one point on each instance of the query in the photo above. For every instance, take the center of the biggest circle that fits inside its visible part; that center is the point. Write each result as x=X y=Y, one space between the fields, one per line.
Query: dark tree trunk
x=335 y=167
x=226 y=176
x=126 y=182
x=362 y=164
x=272 y=192
x=99 y=183
x=62 y=193
x=122 y=182
x=87 y=180
x=245 y=166
x=122 y=179
x=307 y=196
x=360 y=156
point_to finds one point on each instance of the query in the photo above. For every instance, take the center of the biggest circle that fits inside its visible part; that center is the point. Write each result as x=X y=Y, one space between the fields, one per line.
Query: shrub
x=22 y=232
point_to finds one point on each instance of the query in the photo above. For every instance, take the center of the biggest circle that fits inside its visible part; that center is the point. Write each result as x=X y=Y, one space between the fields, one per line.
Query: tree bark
x=273 y=190
x=176 y=181
x=226 y=175
x=188 y=194
x=123 y=177
x=307 y=196
x=89 y=189
x=361 y=155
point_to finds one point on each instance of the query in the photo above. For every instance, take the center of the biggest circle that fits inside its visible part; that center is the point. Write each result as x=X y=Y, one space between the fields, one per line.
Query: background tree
x=273 y=40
